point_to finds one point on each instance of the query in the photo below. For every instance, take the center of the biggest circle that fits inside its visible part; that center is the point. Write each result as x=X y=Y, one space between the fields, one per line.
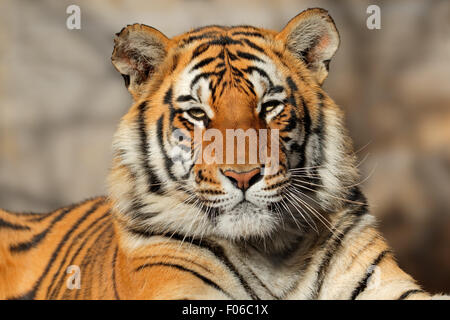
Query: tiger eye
x=197 y=113
x=270 y=105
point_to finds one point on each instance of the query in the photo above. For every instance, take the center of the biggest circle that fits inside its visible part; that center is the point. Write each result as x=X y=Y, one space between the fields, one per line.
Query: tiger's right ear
x=138 y=51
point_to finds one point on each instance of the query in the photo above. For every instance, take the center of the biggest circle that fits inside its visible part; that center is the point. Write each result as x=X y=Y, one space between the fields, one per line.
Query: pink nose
x=243 y=180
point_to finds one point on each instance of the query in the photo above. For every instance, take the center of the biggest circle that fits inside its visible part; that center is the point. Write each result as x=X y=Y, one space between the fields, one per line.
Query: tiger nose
x=244 y=180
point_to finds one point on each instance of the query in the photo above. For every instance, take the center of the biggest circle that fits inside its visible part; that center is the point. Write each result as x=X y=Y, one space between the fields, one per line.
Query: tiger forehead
x=214 y=39
x=222 y=35
x=219 y=61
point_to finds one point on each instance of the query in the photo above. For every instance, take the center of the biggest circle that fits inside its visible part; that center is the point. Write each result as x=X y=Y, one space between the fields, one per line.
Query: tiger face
x=230 y=134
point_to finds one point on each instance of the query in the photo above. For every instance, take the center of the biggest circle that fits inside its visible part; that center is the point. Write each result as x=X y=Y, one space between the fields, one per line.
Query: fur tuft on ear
x=312 y=37
x=138 y=50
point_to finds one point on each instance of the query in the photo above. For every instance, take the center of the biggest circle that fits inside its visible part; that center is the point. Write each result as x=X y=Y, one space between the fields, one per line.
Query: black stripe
x=236 y=72
x=211 y=26
x=261 y=283
x=203 y=63
x=251 y=44
x=8 y=225
x=168 y=97
x=246 y=27
x=41 y=217
x=307 y=135
x=86 y=262
x=362 y=284
x=95 y=266
x=165 y=257
x=220 y=65
x=275 y=89
x=113 y=266
x=33 y=242
x=220 y=254
x=333 y=247
x=168 y=163
x=102 y=283
x=179 y=267
x=320 y=125
x=199 y=77
x=356 y=195
x=28 y=214
x=126 y=79
x=406 y=294
x=184 y=98
x=203 y=36
x=261 y=72
x=140 y=232
x=306 y=122
x=291 y=123
x=248 y=56
x=52 y=289
x=154 y=184
x=32 y=293
x=86 y=239
x=223 y=41
x=231 y=55
x=292 y=86
x=186 y=124
x=214 y=248
x=247 y=33
x=318 y=130
x=199 y=50
x=360 y=205
x=294 y=89
x=32 y=216
x=327 y=64
x=175 y=61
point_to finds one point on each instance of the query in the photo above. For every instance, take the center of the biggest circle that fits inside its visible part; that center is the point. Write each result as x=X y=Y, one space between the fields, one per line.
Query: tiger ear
x=138 y=50
x=312 y=37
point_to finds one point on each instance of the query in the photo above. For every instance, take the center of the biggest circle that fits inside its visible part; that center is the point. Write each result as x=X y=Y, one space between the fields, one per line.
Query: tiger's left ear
x=312 y=37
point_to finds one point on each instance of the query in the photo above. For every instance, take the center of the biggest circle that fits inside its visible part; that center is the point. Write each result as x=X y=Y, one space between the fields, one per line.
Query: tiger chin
x=173 y=227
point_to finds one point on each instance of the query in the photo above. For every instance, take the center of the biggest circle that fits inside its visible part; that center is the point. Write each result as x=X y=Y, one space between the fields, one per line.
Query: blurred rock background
x=61 y=100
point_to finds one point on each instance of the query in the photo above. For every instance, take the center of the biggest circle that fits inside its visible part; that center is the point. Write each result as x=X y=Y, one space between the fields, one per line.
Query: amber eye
x=197 y=113
x=269 y=108
x=270 y=105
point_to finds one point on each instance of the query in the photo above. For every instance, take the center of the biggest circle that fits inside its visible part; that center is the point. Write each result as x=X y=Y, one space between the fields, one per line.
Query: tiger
x=172 y=227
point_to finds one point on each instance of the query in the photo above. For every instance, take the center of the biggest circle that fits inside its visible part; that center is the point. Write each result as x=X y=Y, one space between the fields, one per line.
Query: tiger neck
x=269 y=272
x=274 y=250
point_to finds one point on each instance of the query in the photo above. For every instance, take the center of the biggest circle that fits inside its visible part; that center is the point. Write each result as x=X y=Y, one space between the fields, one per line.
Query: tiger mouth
x=243 y=204
x=243 y=207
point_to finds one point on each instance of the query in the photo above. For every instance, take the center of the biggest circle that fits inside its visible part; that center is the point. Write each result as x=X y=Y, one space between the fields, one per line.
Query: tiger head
x=262 y=86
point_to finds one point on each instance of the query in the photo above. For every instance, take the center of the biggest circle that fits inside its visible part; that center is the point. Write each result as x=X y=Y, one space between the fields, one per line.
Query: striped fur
x=36 y=250
x=174 y=229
